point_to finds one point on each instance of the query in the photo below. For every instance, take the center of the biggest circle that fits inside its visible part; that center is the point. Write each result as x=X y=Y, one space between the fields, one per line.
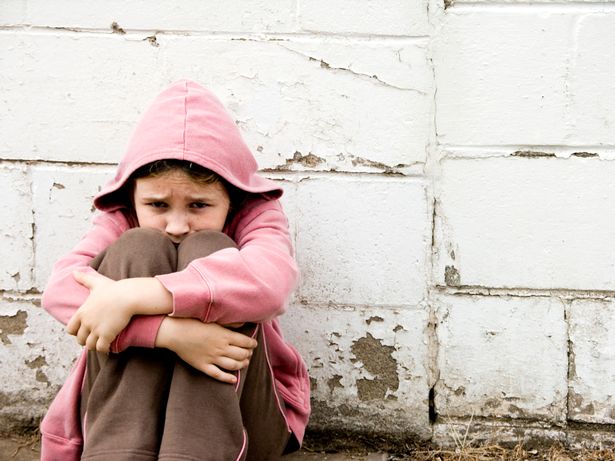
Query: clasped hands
x=209 y=347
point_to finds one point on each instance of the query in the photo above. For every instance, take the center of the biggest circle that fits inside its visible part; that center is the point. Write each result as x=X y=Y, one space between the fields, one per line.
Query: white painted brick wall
x=63 y=211
x=527 y=223
x=16 y=229
x=448 y=172
x=592 y=393
x=356 y=252
x=502 y=357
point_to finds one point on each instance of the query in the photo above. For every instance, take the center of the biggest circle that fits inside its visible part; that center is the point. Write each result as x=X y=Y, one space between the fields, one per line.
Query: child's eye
x=157 y=204
x=198 y=205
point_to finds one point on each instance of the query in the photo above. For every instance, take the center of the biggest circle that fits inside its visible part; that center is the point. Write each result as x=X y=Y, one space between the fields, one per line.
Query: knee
x=201 y=244
x=141 y=241
x=139 y=252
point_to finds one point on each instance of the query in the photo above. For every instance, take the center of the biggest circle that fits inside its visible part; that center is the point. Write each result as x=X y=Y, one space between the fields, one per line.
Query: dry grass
x=467 y=449
x=495 y=452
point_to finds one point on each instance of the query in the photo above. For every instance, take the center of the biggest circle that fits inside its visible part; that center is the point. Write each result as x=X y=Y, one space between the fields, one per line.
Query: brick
x=369 y=359
x=12 y=12
x=63 y=211
x=191 y=15
x=526 y=223
x=592 y=375
x=501 y=357
x=397 y=17
x=83 y=108
x=495 y=86
x=16 y=249
x=295 y=113
x=592 y=95
x=362 y=241
x=291 y=106
x=36 y=355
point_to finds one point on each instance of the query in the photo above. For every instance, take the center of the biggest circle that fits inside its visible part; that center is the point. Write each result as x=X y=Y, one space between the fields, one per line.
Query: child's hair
x=195 y=172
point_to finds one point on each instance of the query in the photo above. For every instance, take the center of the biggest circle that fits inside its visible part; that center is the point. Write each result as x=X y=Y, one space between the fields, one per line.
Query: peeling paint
x=309 y=160
x=334 y=382
x=37 y=362
x=57 y=185
x=116 y=29
x=386 y=169
x=398 y=328
x=41 y=377
x=532 y=154
x=578 y=405
x=378 y=360
x=374 y=318
x=584 y=154
x=452 y=278
x=12 y=325
x=152 y=41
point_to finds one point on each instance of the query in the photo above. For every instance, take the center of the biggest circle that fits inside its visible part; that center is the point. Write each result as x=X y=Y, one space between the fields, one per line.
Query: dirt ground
x=26 y=448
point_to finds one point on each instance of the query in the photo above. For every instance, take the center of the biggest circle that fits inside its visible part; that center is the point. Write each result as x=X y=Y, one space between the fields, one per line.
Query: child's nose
x=177 y=227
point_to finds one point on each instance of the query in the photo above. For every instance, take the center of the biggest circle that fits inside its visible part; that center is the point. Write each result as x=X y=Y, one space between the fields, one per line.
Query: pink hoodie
x=249 y=284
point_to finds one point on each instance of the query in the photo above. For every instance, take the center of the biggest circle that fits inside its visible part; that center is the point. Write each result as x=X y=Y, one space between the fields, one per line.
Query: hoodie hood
x=187 y=122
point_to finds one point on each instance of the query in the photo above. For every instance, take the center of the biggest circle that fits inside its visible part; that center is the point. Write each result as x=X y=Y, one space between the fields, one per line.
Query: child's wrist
x=164 y=338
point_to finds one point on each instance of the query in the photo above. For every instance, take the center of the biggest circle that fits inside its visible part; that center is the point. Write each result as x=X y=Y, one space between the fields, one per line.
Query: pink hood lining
x=187 y=122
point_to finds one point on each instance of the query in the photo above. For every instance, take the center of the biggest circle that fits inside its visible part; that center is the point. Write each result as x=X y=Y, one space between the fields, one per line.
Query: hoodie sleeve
x=64 y=295
x=249 y=284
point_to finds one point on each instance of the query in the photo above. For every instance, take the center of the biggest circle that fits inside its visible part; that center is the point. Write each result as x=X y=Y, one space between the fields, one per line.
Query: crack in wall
x=373 y=78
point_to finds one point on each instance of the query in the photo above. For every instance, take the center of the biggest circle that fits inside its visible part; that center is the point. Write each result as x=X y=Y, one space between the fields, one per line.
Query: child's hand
x=208 y=347
x=103 y=314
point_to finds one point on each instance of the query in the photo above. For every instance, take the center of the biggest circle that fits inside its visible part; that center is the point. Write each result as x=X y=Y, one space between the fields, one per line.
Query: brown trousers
x=148 y=404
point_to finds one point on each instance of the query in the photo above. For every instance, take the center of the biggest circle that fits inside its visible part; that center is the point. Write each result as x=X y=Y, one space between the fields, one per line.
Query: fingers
x=239 y=354
x=72 y=327
x=216 y=373
x=82 y=335
x=103 y=345
x=232 y=364
x=241 y=340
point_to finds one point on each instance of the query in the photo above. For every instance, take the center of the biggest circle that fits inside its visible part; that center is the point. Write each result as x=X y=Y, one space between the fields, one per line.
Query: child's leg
x=262 y=407
x=124 y=396
x=202 y=420
x=205 y=418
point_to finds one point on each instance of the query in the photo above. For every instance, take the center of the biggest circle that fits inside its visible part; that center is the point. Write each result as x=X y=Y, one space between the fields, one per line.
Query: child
x=175 y=293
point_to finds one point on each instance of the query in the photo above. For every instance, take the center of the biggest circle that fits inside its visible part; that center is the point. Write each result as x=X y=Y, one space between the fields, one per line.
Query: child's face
x=179 y=206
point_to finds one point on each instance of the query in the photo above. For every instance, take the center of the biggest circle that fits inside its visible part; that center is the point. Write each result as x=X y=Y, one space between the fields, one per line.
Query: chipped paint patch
x=12 y=325
x=116 y=29
x=377 y=360
x=585 y=154
x=310 y=160
x=374 y=318
x=452 y=278
x=334 y=382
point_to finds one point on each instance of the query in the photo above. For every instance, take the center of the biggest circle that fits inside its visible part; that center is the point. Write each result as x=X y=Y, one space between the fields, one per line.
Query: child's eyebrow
x=154 y=196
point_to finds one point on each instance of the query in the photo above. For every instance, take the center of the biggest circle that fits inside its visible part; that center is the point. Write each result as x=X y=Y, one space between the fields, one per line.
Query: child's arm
x=249 y=284
x=64 y=295
x=208 y=347
x=112 y=304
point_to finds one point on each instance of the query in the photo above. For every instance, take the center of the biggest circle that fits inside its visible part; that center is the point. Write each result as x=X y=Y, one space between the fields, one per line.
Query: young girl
x=175 y=293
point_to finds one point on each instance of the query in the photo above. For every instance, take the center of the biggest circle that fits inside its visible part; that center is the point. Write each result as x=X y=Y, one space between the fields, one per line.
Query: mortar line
x=228 y=35
x=525 y=292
